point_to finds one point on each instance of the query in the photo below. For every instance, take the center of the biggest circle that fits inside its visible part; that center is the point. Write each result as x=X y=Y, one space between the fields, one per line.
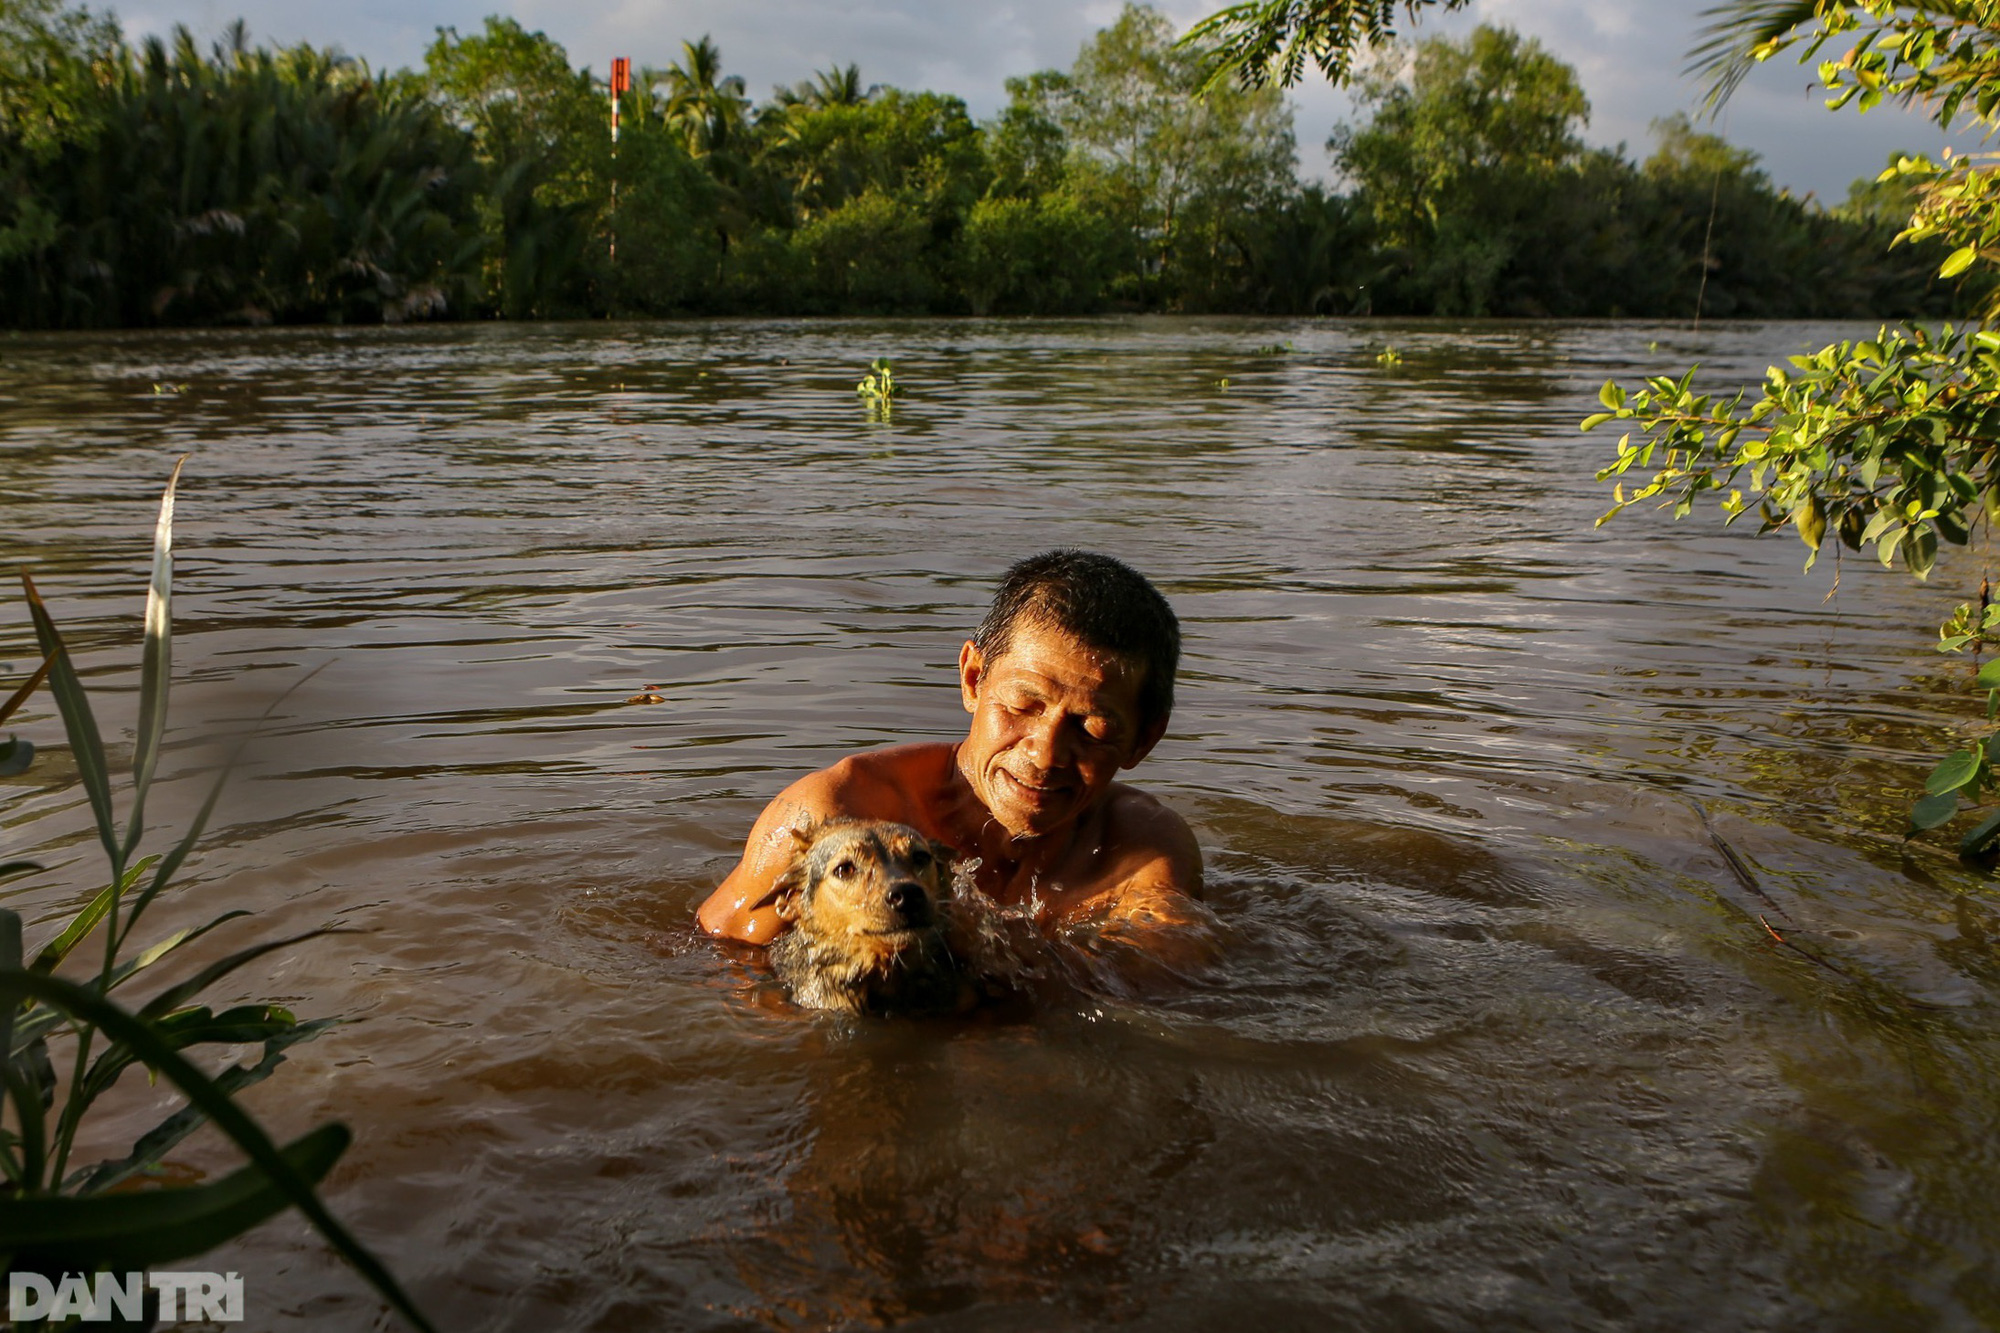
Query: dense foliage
x=166 y=185
x=1890 y=445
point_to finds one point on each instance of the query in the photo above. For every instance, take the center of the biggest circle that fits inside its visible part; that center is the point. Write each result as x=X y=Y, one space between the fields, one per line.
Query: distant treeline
x=164 y=185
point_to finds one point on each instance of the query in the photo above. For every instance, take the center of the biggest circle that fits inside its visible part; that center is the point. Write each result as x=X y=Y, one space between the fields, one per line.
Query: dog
x=871 y=913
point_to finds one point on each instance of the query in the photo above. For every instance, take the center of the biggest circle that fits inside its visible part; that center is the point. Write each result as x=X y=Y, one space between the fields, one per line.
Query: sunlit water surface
x=1500 y=1040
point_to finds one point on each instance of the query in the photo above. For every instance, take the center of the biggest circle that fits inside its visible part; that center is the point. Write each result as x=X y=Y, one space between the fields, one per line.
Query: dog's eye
x=842 y=870
x=919 y=857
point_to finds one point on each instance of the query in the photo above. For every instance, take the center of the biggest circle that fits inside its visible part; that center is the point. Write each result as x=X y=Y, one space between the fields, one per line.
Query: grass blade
x=34 y=1126
x=84 y=922
x=20 y=696
x=156 y=668
x=158 y=1141
x=141 y=1230
x=10 y=961
x=154 y=953
x=173 y=859
x=197 y=1026
x=85 y=1005
x=85 y=741
x=173 y=997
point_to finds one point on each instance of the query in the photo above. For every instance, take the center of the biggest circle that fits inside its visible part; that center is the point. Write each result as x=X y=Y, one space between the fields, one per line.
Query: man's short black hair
x=1105 y=603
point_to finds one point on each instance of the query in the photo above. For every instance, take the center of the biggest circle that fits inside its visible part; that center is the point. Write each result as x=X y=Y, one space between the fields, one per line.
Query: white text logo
x=213 y=1296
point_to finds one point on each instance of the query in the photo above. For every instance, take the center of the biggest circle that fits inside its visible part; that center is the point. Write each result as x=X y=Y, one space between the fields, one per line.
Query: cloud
x=1628 y=53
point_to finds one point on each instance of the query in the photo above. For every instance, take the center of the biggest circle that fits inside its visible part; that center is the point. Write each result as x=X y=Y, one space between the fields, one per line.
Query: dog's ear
x=788 y=889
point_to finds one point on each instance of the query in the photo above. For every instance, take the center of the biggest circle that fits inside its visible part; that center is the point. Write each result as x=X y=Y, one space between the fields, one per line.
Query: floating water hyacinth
x=879 y=385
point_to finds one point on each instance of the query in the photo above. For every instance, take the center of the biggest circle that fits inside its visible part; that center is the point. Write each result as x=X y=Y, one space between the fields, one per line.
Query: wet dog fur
x=870 y=909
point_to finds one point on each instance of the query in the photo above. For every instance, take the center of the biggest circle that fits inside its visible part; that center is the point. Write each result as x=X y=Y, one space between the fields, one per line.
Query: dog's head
x=876 y=886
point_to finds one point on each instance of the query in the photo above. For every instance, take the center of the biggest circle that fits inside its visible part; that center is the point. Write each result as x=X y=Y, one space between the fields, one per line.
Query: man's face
x=1053 y=721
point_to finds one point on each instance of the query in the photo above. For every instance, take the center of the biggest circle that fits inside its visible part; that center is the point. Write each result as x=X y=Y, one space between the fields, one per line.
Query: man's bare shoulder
x=875 y=784
x=1145 y=824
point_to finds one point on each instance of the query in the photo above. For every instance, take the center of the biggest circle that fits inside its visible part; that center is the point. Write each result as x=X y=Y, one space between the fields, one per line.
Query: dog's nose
x=907 y=900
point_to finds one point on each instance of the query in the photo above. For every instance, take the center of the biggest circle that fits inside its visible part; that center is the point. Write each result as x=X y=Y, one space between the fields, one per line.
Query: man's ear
x=1148 y=738
x=971 y=671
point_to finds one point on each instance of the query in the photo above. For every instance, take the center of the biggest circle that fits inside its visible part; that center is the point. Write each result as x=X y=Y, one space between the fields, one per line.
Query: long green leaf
x=172 y=860
x=80 y=926
x=32 y=1025
x=28 y=1110
x=1982 y=836
x=156 y=667
x=143 y=1229
x=173 y=997
x=198 y=1026
x=85 y=741
x=179 y=853
x=155 y=952
x=156 y=1142
x=83 y=1004
x=10 y=960
x=26 y=1167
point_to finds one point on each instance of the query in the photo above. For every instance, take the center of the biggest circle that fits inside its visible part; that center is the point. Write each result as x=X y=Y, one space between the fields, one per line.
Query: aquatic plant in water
x=879 y=384
x=878 y=388
x=56 y=1220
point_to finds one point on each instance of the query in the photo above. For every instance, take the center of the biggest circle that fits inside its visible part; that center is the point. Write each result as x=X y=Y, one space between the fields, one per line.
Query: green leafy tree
x=708 y=106
x=544 y=143
x=1176 y=170
x=839 y=86
x=1046 y=254
x=1453 y=150
x=240 y=184
x=1025 y=144
x=51 y=59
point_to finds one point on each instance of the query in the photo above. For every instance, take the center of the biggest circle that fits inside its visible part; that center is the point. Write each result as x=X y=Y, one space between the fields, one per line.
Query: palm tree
x=708 y=106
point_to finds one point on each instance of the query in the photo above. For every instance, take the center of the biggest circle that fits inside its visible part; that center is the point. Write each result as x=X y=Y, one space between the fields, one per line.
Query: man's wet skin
x=1031 y=792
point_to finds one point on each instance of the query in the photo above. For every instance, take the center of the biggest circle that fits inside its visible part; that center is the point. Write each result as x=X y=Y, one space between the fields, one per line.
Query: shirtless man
x=1069 y=679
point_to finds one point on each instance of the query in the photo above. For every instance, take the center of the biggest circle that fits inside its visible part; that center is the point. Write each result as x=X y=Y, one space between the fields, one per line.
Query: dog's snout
x=907 y=899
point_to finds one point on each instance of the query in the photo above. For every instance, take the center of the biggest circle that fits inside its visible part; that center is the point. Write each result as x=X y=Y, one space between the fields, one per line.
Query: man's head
x=1102 y=603
x=1069 y=679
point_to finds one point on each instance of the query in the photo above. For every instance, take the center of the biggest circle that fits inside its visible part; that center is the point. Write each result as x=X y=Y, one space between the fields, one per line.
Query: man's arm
x=1155 y=908
x=1145 y=925
x=741 y=907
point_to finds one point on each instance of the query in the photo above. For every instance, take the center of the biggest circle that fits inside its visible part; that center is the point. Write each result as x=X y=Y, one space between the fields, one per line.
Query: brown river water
x=1499 y=1041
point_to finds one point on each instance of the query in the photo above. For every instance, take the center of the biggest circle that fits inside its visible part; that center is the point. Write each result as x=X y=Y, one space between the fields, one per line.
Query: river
x=1500 y=1039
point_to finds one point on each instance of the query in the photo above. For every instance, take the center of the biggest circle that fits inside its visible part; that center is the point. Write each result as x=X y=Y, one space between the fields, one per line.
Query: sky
x=1629 y=55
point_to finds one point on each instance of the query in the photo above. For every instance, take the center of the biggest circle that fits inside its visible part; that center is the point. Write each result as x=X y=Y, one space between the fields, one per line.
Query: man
x=1069 y=680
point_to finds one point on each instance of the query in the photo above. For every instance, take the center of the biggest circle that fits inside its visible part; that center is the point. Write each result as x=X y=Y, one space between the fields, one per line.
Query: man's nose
x=1048 y=745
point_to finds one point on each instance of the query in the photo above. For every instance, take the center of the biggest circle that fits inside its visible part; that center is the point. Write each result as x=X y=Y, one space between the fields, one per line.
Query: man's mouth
x=1036 y=791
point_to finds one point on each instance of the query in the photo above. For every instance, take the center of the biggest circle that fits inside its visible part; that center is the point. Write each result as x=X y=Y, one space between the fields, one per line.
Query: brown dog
x=870 y=907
